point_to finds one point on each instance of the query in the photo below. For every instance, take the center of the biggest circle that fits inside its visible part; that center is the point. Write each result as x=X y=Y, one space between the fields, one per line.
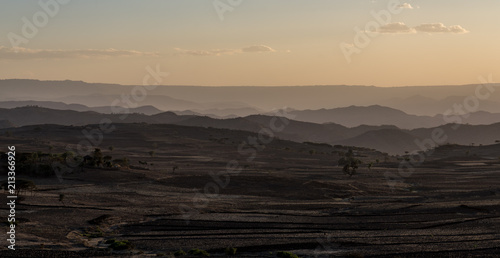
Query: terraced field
x=288 y=198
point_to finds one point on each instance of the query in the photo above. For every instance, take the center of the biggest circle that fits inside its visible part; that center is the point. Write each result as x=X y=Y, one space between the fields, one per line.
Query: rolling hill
x=379 y=115
x=262 y=98
x=385 y=138
x=6 y=124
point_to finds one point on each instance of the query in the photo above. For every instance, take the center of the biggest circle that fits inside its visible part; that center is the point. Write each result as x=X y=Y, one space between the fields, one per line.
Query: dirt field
x=291 y=197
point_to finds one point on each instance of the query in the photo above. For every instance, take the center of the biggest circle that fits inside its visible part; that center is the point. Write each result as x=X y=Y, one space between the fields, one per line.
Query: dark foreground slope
x=290 y=197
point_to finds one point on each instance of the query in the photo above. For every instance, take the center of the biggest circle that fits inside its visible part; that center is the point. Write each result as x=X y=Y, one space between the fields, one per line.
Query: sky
x=252 y=42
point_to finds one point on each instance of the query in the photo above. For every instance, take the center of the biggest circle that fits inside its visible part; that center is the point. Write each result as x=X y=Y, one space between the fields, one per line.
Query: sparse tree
x=98 y=158
x=350 y=163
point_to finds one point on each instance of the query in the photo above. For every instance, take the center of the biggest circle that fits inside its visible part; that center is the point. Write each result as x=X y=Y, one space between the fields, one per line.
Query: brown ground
x=287 y=199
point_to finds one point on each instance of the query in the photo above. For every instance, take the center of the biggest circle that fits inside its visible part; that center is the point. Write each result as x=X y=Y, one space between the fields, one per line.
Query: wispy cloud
x=259 y=48
x=405 y=6
x=213 y=52
x=397 y=27
x=218 y=52
x=26 y=53
x=401 y=28
x=440 y=28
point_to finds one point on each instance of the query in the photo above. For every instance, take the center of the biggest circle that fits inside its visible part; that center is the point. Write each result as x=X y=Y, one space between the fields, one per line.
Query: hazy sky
x=258 y=42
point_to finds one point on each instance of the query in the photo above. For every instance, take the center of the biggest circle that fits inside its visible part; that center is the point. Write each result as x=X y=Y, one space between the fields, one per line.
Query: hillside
x=262 y=98
x=385 y=138
x=379 y=115
x=6 y=124
x=148 y=110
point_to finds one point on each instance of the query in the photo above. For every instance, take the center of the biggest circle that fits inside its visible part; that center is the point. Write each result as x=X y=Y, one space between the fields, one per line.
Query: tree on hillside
x=98 y=158
x=349 y=162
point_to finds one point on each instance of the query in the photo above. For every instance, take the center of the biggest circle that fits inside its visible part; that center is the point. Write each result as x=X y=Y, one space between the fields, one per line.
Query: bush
x=198 y=252
x=180 y=253
x=121 y=245
x=231 y=251
x=286 y=255
x=93 y=232
x=21 y=185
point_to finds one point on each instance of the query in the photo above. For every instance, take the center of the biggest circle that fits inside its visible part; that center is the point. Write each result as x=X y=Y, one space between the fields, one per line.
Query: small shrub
x=180 y=253
x=121 y=245
x=93 y=232
x=200 y=252
x=286 y=255
x=231 y=251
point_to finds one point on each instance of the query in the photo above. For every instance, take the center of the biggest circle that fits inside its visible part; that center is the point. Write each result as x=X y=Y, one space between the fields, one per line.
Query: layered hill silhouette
x=148 y=110
x=387 y=138
x=351 y=116
x=379 y=115
x=428 y=100
x=428 y=106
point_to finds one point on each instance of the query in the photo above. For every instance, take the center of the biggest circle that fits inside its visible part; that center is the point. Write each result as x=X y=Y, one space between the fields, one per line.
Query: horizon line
x=262 y=86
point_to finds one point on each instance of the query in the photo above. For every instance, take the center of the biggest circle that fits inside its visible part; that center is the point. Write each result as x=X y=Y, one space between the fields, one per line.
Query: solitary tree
x=350 y=163
x=98 y=158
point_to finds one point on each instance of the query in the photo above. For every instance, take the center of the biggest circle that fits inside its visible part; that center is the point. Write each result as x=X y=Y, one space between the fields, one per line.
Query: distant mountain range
x=378 y=115
x=428 y=100
x=148 y=110
x=352 y=116
x=427 y=106
x=387 y=138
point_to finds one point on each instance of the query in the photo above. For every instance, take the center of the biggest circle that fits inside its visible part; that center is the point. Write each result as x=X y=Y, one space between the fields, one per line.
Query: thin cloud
x=440 y=28
x=259 y=48
x=213 y=52
x=401 y=28
x=395 y=28
x=405 y=6
x=26 y=53
x=219 y=52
